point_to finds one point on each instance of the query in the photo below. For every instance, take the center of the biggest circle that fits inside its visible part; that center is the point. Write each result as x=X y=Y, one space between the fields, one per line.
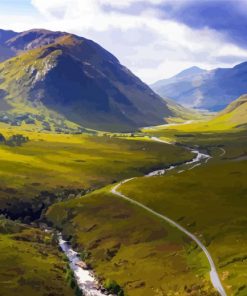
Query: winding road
x=198 y=160
x=223 y=152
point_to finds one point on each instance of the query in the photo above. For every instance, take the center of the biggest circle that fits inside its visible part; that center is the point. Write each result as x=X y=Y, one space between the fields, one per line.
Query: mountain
x=187 y=74
x=14 y=43
x=5 y=51
x=211 y=90
x=6 y=35
x=77 y=79
x=32 y=39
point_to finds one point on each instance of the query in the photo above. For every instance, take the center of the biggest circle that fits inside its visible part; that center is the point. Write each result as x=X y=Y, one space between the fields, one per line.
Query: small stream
x=196 y=161
x=85 y=278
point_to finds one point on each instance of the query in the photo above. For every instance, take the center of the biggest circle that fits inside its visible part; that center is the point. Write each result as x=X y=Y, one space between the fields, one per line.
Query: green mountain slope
x=233 y=117
x=236 y=113
x=78 y=80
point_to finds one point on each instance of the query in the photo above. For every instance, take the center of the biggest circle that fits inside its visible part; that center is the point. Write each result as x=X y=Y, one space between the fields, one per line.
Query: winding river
x=85 y=278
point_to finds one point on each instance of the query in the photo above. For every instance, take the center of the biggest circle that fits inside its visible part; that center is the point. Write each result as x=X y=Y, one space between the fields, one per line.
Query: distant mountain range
x=211 y=90
x=76 y=78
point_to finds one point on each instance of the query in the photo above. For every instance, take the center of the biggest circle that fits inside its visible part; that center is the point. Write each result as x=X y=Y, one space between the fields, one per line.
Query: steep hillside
x=78 y=79
x=232 y=118
x=211 y=90
x=235 y=114
x=183 y=114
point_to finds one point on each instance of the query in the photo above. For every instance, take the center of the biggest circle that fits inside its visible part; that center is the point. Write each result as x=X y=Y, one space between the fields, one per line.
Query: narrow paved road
x=215 y=280
x=223 y=152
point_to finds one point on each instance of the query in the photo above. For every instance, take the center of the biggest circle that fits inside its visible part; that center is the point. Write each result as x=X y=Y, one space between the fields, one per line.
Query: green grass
x=122 y=242
x=126 y=244
x=17 y=77
x=52 y=163
x=233 y=117
x=30 y=264
x=209 y=201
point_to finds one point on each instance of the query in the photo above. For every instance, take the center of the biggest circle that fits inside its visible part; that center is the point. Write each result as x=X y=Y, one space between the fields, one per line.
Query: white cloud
x=151 y=47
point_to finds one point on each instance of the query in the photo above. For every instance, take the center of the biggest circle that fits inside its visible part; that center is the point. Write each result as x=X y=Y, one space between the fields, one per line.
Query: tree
x=78 y=292
x=113 y=287
x=2 y=139
x=17 y=140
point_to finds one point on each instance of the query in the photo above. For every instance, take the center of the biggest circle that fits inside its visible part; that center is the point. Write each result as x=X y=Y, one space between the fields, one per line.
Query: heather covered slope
x=212 y=90
x=79 y=80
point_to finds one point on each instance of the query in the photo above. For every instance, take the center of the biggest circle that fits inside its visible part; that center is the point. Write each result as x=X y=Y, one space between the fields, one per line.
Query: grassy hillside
x=182 y=114
x=211 y=202
x=122 y=242
x=51 y=167
x=30 y=263
x=54 y=167
x=233 y=117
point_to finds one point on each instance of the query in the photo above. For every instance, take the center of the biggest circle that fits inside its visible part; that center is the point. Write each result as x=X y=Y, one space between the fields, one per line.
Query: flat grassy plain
x=51 y=166
x=30 y=264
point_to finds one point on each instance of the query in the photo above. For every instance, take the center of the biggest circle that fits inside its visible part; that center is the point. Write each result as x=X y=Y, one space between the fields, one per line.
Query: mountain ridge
x=189 y=72
x=212 y=90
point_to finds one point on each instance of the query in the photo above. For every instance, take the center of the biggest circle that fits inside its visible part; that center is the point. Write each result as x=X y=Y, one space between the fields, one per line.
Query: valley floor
x=123 y=242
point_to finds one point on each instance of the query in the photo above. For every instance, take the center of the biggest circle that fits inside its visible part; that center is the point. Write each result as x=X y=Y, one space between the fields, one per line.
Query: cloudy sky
x=154 y=38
